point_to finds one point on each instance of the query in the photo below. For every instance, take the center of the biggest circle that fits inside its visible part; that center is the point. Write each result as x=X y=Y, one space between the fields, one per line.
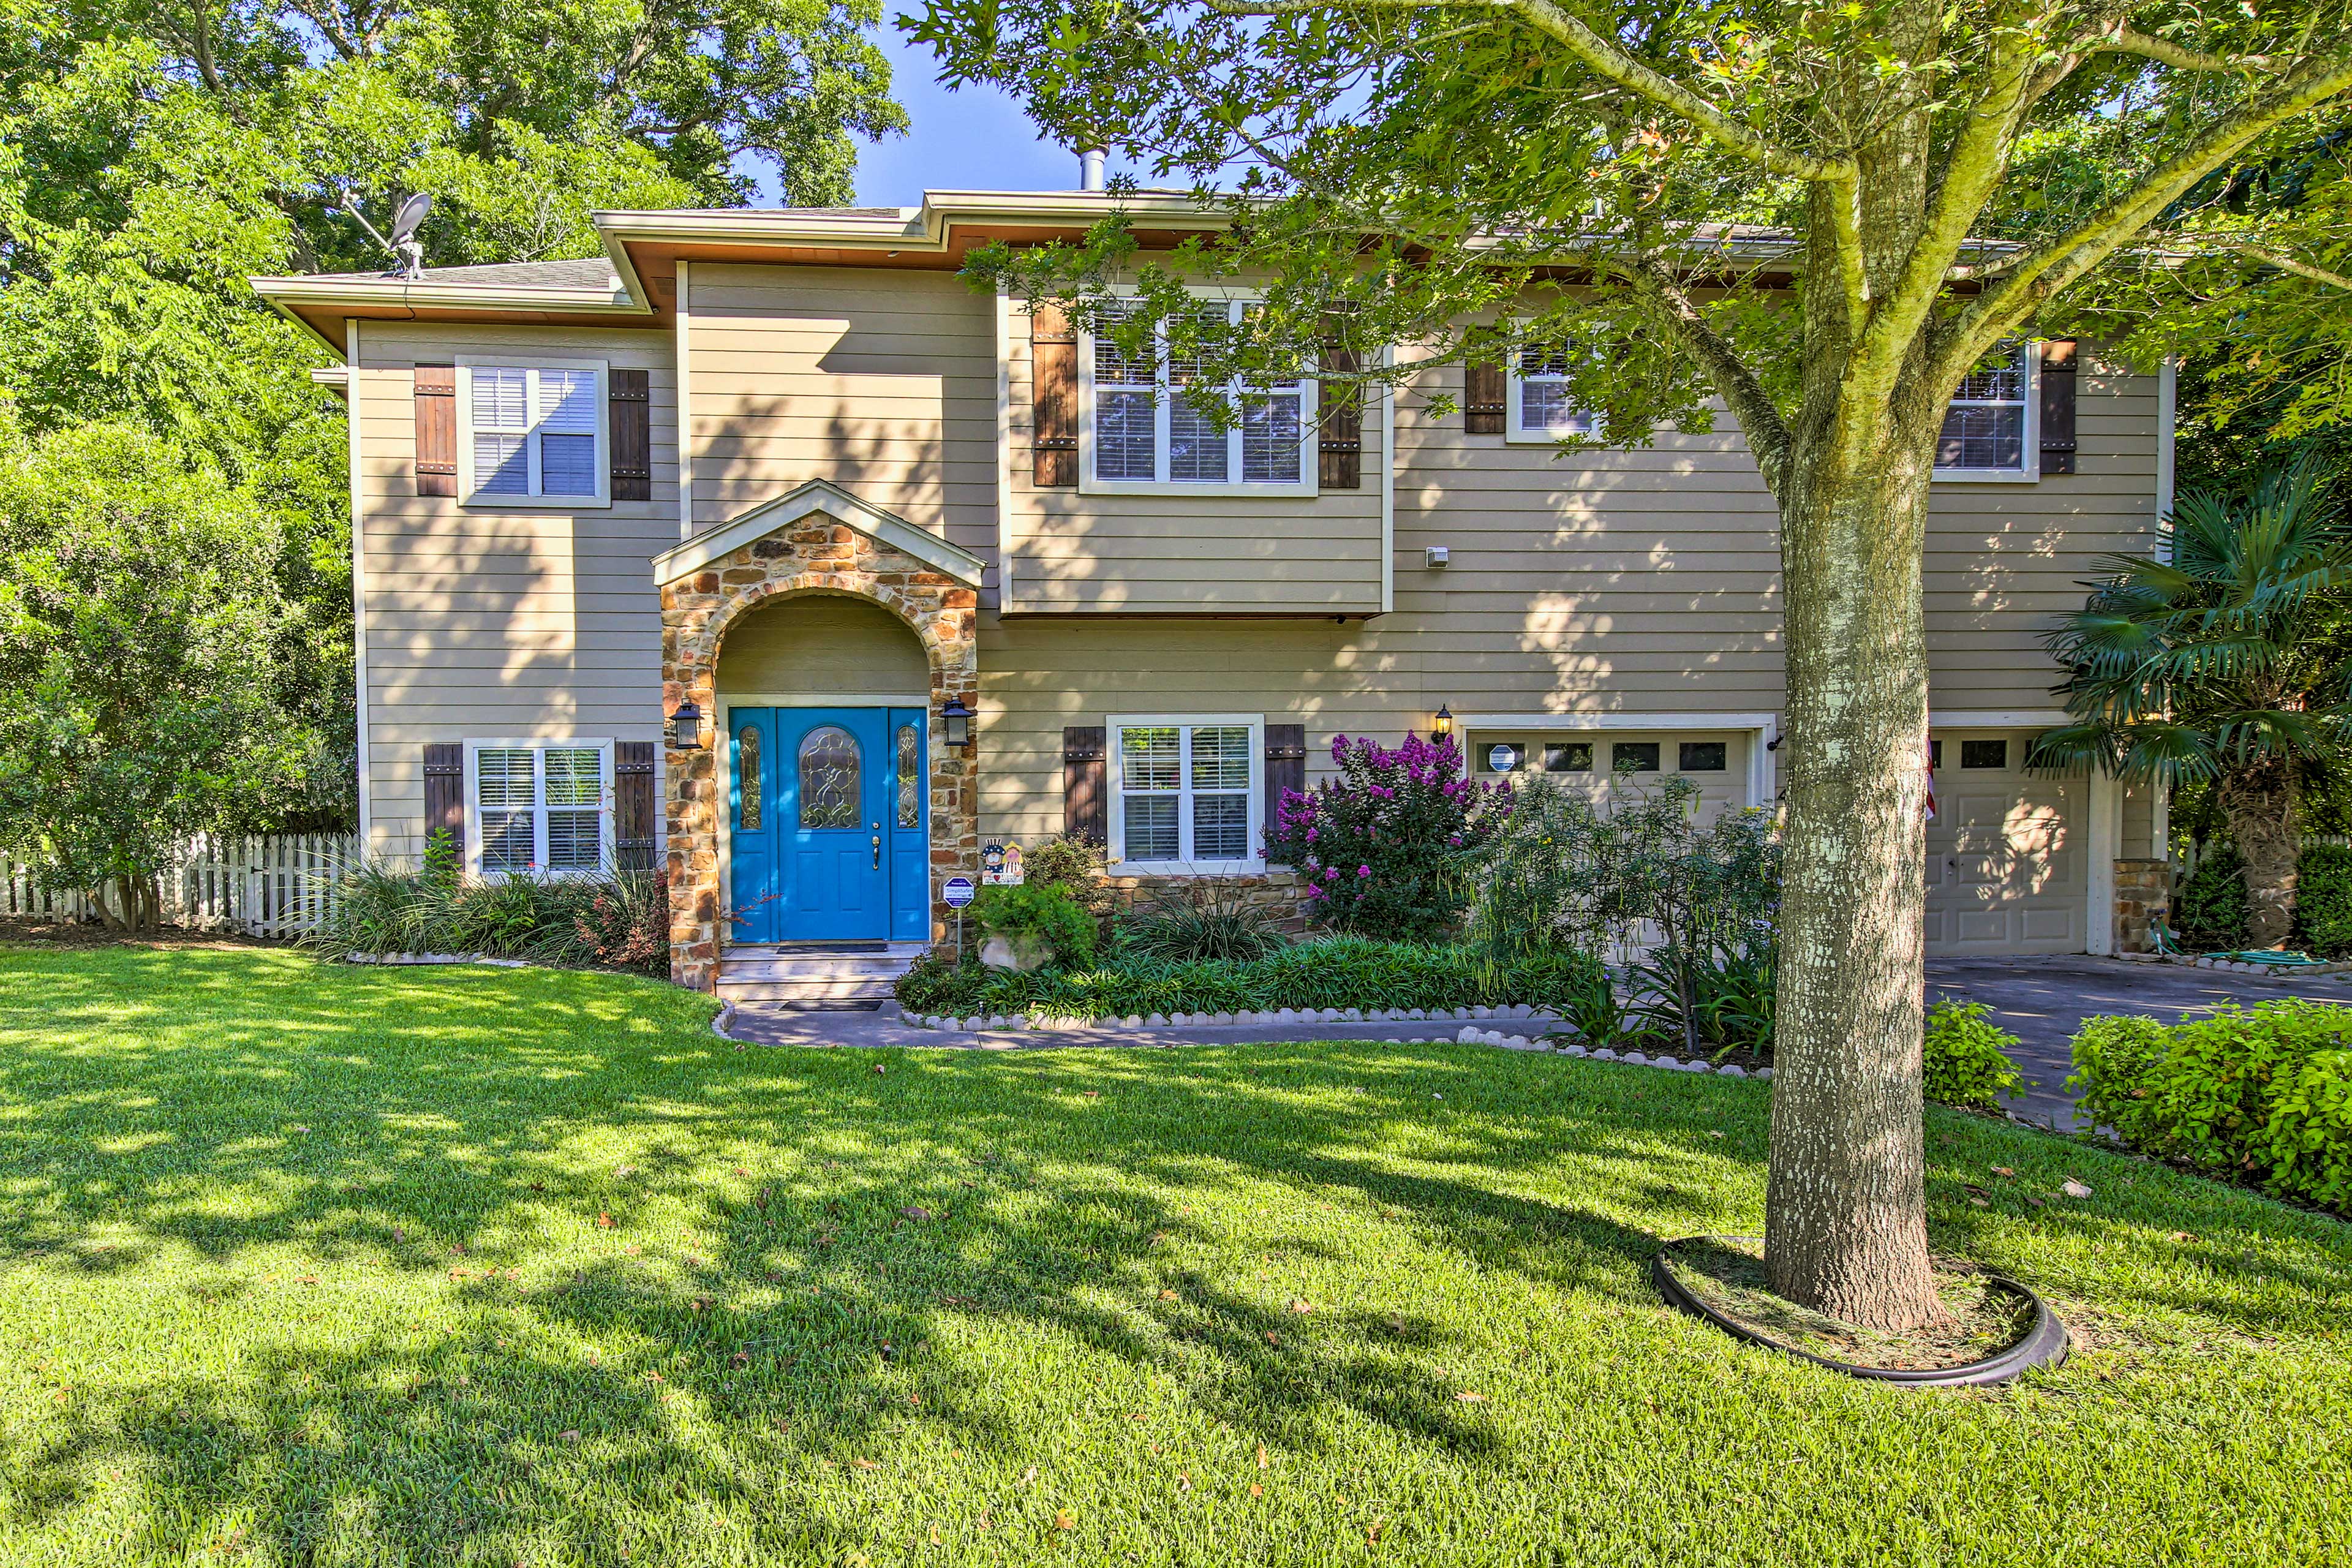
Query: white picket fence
x=278 y=885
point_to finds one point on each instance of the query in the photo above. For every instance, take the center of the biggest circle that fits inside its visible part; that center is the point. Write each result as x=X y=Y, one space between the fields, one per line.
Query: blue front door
x=829 y=817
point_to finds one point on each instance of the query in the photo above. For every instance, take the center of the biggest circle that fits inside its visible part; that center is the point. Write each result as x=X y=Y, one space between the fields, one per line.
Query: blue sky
x=971 y=140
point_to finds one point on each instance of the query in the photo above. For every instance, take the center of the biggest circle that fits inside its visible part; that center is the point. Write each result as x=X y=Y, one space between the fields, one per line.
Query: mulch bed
x=1982 y=1321
x=79 y=933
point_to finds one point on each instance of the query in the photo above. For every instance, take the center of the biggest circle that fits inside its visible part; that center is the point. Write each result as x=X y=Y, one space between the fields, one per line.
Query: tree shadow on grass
x=867 y=1231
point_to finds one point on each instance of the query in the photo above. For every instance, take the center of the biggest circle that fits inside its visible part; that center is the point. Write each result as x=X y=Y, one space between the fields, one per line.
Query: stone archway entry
x=818 y=539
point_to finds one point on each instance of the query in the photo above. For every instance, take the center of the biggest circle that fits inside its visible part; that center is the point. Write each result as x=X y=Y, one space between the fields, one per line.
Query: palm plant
x=2222 y=658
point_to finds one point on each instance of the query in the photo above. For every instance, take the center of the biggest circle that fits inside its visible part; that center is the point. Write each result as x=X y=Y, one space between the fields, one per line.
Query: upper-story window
x=1990 y=427
x=1539 y=406
x=1142 y=432
x=532 y=434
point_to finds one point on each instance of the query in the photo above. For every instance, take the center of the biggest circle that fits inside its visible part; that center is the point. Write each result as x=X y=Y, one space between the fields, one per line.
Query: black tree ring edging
x=2045 y=1344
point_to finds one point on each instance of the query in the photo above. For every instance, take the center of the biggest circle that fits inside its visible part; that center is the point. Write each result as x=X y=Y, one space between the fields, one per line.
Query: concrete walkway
x=2044 y=1001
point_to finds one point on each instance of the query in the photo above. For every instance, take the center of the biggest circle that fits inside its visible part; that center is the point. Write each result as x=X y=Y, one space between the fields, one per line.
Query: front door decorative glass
x=829 y=778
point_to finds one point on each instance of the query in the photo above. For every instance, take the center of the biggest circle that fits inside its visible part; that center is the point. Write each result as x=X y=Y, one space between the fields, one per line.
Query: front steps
x=857 y=975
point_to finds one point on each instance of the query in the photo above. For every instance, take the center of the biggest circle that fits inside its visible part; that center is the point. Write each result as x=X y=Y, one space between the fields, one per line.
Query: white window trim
x=466 y=364
x=539 y=746
x=1515 y=430
x=1307 y=486
x=1114 y=782
x=2030 y=472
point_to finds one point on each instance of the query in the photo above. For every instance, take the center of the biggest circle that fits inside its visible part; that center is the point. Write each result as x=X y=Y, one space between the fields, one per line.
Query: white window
x=539 y=807
x=1138 y=431
x=1992 y=428
x=532 y=434
x=1184 y=792
x=1540 y=406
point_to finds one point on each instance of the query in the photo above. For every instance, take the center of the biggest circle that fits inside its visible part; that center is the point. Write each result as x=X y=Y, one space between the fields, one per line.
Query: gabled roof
x=818 y=496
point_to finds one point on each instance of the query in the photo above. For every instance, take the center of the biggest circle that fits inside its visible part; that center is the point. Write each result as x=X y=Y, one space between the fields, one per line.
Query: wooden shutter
x=1054 y=372
x=1485 y=395
x=2058 y=407
x=629 y=405
x=1340 y=459
x=1084 y=783
x=632 y=802
x=436 y=429
x=1285 y=766
x=444 y=792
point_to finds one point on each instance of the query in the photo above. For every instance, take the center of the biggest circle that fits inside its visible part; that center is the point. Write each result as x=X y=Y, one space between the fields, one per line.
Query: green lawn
x=310 y=1265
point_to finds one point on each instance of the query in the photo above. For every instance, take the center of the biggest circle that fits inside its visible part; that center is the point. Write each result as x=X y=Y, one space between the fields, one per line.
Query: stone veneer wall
x=815 y=555
x=1276 y=892
x=2143 y=891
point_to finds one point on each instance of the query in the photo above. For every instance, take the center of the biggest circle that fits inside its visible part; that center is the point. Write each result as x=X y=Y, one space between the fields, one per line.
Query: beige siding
x=883 y=383
x=822 y=645
x=493 y=624
x=1076 y=553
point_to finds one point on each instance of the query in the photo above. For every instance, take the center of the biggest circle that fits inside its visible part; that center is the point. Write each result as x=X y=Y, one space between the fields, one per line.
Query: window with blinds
x=1988 y=426
x=1182 y=800
x=1541 y=407
x=541 y=808
x=534 y=432
x=1143 y=430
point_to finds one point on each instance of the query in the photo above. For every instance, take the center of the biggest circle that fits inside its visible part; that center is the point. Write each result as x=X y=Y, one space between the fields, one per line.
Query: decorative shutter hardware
x=1486 y=395
x=444 y=792
x=2058 y=407
x=629 y=405
x=436 y=429
x=1340 y=452
x=1285 y=766
x=1085 y=778
x=1053 y=424
x=633 y=803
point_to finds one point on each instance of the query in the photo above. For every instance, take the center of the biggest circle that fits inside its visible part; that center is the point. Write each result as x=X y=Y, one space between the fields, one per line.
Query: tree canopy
x=160 y=151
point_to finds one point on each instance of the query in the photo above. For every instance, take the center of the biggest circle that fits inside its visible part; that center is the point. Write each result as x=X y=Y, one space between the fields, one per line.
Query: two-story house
x=766 y=548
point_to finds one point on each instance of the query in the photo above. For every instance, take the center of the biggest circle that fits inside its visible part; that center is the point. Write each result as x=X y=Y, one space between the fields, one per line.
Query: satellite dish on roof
x=413 y=213
x=404 y=242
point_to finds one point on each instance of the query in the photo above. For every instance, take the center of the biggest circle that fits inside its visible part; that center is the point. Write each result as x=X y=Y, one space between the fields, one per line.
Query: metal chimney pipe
x=1091 y=168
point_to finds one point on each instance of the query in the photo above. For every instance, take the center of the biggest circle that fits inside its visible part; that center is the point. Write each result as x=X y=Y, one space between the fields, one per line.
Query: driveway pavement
x=2042 y=1001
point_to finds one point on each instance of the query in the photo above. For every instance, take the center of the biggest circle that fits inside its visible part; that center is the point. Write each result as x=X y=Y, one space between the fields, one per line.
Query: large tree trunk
x=1846 y=1230
x=2262 y=804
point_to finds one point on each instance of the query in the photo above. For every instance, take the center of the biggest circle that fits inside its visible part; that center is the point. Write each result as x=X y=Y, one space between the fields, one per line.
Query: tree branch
x=2284 y=262
x=2119 y=39
x=2040 y=273
x=1604 y=59
x=1767 y=433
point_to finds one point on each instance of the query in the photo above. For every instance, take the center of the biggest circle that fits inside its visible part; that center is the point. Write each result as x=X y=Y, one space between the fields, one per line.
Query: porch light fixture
x=1443 y=725
x=685 y=727
x=955 y=723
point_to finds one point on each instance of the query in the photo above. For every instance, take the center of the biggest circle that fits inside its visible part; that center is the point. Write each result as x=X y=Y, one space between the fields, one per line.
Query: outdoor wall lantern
x=1443 y=725
x=955 y=723
x=685 y=727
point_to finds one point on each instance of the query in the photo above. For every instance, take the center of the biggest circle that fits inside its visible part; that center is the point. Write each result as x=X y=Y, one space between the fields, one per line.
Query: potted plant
x=1031 y=924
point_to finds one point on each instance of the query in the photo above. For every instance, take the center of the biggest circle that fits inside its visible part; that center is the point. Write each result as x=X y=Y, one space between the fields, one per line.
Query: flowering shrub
x=1382 y=846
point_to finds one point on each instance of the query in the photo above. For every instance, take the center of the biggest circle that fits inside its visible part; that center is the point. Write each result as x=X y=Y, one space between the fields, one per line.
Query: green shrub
x=1075 y=865
x=2212 y=917
x=1967 y=1057
x=2266 y=1092
x=2323 y=900
x=1205 y=920
x=1039 y=910
x=1343 y=971
x=1720 y=1001
x=619 y=920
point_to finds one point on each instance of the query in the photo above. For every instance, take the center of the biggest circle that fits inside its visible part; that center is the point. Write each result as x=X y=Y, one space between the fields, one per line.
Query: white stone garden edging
x=1469 y=1034
x=2238 y=966
x=437 y=958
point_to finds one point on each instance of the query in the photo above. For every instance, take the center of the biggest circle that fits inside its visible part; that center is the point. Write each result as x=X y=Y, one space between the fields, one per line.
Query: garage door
x=2006 y=866
x=1713 y=760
